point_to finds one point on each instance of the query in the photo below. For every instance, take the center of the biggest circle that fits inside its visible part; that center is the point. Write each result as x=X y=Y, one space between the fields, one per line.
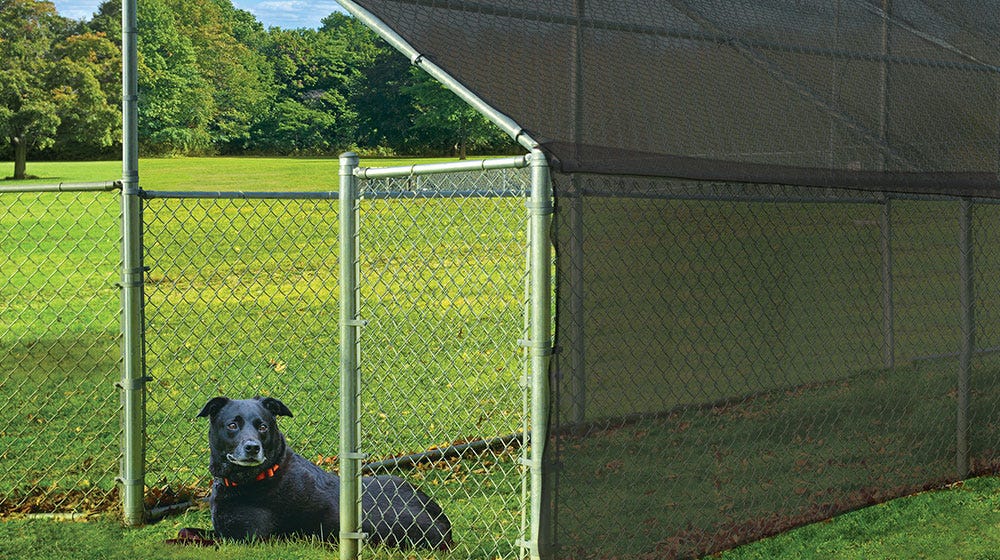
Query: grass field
x=212 y=174
x=760 y=326
x=241 y=299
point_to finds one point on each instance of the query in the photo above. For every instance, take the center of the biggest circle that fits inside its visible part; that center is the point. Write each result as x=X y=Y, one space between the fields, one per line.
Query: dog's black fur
x=251 y=499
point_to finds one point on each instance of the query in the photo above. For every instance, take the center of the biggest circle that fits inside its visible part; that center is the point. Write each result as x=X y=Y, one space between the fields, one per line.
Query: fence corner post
x=133 y=381
x=540 y=218
x=350 y=383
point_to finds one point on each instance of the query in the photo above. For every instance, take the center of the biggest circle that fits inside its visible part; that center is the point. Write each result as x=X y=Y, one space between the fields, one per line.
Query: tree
x=87 y=92
x=312 y=113
x=441 y=117
x=28 y=112
x=53 y=82
x=227 y=45
x=175 y=100
x=378 y=76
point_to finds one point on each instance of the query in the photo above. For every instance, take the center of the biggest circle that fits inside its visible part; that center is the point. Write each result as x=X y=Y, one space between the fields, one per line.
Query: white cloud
x=272 y=13
x=76 y=9
x=291 y=13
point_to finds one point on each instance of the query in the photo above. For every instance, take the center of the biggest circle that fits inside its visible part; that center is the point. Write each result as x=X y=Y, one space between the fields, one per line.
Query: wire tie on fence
x=132 y=273
x=359 y=456
x=544 y=207
x=136 y=384
x=538 y=350
x=358 y=536
x=130 y=482
x=356 y=322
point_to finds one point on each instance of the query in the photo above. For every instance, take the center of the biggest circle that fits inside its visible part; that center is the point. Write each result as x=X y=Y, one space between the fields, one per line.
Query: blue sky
x=272 y=13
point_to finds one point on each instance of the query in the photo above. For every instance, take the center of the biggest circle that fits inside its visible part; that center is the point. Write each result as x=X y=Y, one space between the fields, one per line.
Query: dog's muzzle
x=249 y=454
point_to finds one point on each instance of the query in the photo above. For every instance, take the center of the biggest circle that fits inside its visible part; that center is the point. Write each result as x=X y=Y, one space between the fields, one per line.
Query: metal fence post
x=576 y=281
x=540 y=345
x=133 y=382
x=967 y=297
x=350 y=383
x=888 y=311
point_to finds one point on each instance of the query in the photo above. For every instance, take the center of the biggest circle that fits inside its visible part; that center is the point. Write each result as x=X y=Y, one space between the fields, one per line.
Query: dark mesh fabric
x=758 y=311
x=898 y=95
x=721 y=369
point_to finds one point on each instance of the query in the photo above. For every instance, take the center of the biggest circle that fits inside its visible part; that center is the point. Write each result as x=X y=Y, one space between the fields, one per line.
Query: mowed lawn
x=210 y=174
x=242 y=297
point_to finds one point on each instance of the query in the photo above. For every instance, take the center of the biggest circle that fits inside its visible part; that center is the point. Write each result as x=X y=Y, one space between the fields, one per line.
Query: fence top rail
x=243 y=195
x=876 y=198
x=516 y=162
x=62 y=187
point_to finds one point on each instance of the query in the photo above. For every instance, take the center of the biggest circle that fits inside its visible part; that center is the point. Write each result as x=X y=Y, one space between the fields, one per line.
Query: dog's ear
x=275 y=407
x=213 y=406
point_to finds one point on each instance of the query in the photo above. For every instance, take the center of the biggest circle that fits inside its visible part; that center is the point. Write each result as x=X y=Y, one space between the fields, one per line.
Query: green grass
x=104 y=538
x=212 y=174
x=242 y=299
x=960 y=523
x=735 y=472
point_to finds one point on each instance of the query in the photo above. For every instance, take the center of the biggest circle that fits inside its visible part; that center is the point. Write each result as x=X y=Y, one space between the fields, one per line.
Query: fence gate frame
x=538 y=345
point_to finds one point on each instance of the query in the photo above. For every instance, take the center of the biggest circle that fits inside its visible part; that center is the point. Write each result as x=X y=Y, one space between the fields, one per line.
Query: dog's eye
x=233 y=426
x=262 y=428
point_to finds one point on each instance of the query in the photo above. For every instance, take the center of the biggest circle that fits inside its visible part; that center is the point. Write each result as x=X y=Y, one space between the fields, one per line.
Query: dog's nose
x=251 y=448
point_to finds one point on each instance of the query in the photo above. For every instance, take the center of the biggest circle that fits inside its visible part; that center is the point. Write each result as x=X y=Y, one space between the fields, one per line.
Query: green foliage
x=312 y=114
x=52 y=82
x=175 y=100
x=87 y=102
x=228 y=58
x=379 y=76
x=28 y=116
x=442 y=116
x=212 y=80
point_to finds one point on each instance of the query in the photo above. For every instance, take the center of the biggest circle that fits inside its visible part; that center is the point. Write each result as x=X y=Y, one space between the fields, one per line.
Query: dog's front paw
x=193 y=537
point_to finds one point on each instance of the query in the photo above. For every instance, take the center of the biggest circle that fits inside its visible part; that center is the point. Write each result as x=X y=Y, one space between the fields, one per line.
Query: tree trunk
x=461 y=149
x=20 y=157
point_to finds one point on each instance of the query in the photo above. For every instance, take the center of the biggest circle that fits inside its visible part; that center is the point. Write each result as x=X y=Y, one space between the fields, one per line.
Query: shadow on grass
x=61 y=426
x=705 y=479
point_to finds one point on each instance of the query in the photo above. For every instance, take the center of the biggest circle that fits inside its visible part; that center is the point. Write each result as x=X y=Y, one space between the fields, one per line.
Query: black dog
x=262 y=489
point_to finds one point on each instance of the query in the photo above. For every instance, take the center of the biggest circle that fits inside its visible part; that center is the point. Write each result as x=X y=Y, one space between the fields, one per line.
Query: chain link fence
x=442 y=288
x=730 y=363
x=735 y=361
x=60 y=351
x=240 y=300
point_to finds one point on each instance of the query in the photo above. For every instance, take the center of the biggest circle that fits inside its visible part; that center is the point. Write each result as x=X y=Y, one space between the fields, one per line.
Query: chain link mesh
x=241 y=300
x=442 y=260
x=723 y=371
x=60 y=350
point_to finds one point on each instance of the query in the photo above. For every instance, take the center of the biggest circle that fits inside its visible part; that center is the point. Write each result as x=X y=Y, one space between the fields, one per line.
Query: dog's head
x=244 y=433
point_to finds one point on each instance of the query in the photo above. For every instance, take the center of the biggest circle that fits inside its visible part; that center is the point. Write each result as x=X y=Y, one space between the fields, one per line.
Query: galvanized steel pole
x=968 y=302
x=540 y=345
x=133 y=381
x=888 y=306
x=888 y=311
x=350 y=382
x=417 y=59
